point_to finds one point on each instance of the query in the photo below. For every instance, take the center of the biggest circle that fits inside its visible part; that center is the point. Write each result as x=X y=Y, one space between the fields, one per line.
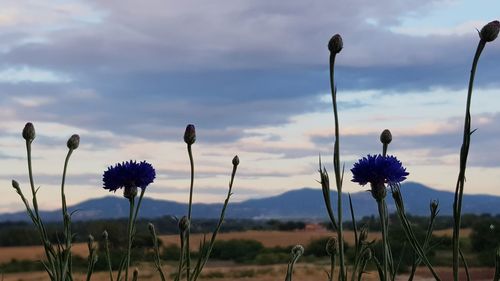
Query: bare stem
x=188 y=250
x=464 y=151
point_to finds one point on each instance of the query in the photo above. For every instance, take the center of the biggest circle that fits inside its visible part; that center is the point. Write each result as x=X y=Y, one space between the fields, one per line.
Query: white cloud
x=29 y=74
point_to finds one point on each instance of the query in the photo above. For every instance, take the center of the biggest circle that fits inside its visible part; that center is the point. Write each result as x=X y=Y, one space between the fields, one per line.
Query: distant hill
x=295 y=204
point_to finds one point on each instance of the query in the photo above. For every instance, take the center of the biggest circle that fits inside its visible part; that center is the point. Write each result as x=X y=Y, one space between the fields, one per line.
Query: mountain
x=301 y=203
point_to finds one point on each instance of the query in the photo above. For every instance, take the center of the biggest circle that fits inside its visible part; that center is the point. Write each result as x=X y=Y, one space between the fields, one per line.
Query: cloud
x=162 y=64
x=435 y=147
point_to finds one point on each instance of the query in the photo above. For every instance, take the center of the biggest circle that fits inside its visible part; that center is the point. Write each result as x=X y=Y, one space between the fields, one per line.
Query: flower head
x=129 y=175
x=376 y=169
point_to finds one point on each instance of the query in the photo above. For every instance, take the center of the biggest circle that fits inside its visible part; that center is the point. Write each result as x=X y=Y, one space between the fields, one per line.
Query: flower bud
x=105 y=235
x=331 y=246
x=29 y=132
x=434 y=207
x=73 y=142
x=335 y=44
x=151 y=227
x=190 y=134
x=363 y=234
x=15 y=184
x=236 y=160
x=386 y=137
x=90 y=242
x=490 y=31
x=325 y=180
x=297 y=250
x=184 y=224
x=396 y=195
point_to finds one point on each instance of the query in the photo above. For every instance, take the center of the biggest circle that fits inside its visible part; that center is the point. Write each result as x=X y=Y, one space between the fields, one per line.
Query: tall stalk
x=487 y=34
x=335 y=46
x=129 y=235
x=383 y=223
x=189 y=139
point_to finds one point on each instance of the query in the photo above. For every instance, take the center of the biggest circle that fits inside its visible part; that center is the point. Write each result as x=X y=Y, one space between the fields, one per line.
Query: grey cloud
x=200 y=173
x=155 y=66
x=483 y=149
x=55 y=179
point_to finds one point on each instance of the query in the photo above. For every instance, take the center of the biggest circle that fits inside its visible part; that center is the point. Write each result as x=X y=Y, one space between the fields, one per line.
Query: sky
x=252 y=75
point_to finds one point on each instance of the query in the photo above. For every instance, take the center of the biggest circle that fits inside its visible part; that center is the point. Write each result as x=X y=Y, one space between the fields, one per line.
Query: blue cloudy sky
x=252 y=75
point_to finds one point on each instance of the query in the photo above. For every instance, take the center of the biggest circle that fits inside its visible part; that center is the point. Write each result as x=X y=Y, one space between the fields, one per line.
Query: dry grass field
x=267 y=238
x=224 y=271
x=213 y=272
x=229 y=271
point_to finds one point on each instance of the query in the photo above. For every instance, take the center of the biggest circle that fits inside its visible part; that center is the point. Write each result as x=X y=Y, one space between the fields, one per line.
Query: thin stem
x=136 y=212
x=66 y=217
x=129 y=240
x=63 y=181
x=202 y=260
x=384 y=149
x=49 y=252
x=382 y=215
x=496 y=277
x=32 y=183
x=336 y=166
x=466 y=267
x=188 y=250
x=356 y=240
x=182 y=255
x=464 y=151
x=157 y=259
x=396 y=193
x=332 y=267
x=108 y=258
x=428 y=236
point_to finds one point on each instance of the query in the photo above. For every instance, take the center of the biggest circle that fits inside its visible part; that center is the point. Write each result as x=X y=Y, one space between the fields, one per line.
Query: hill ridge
x=305 y=202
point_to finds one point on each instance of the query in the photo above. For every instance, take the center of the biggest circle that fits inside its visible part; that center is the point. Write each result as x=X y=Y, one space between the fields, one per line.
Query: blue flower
x=378 y=170
x=129 y=175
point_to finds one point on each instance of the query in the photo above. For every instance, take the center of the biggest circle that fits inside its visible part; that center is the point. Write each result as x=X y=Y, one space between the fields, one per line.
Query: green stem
x=332 y=267
x=383 y=224
x=66 y=218
x=136 y=212
x=32 y=183
x=336 y=165
x=49 y=252
x=157 y=259
x=464 y=151
x=202 y=260
x=108 y=258
x=129 y=240
x=182 y=255
x=188 y=250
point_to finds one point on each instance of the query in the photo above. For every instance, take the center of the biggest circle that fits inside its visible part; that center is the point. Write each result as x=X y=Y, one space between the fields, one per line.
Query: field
x=219 y=271
x=227 y=271
x=267 y=238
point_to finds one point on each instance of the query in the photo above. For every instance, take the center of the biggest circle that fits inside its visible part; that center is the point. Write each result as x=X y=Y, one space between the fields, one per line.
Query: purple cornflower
x=378 y=170
x=129 y=175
